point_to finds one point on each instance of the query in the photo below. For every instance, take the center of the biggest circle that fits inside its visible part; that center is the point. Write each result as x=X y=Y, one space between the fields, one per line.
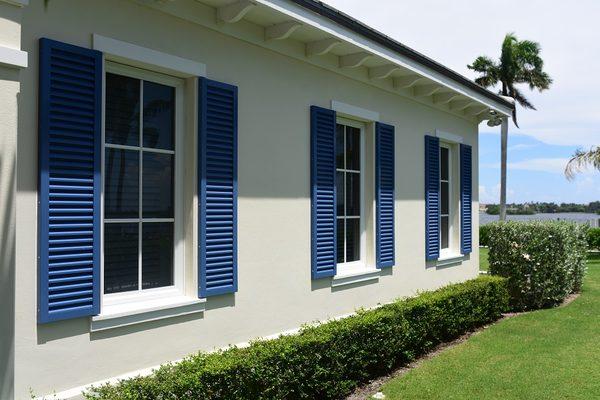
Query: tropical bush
x=543 y=261
x=484 y=235
x=325 y=361
x=593 y=238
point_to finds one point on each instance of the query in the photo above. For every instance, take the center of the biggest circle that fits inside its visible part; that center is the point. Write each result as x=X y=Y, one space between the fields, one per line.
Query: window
x=449 y=201
x=349 y=192
x=141 y=159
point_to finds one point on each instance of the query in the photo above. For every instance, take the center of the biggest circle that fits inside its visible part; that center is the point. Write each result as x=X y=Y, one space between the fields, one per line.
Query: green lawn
x=484 y=264
x=547 y=354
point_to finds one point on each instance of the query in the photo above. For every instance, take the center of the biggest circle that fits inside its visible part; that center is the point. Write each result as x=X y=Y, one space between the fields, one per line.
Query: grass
x=546 y=354
x=484 y=264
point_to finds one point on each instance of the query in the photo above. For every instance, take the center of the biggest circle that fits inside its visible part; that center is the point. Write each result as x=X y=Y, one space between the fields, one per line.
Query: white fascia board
x=354 y=111
x=309 y=18
x=13 y=57
x=118 y=50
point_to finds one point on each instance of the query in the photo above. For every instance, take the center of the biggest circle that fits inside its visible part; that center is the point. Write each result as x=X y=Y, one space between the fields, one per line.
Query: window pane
x=339 y=193
x=340 y=241
x=444 y=232
x=444 y=164
x=159 y=115
x=339 y=146
x=122 y=110
x=353 y=193
x=445 y=197
x=121 y=184
x=157 y=197
x=352 y=148
x=120 y=257
x=157 y=254
x=352 y=239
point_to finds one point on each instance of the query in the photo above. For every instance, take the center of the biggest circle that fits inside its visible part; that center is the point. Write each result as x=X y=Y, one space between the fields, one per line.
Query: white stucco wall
x=275 y=289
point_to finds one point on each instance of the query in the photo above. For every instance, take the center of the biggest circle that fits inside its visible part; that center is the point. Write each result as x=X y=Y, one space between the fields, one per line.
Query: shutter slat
x=323 y=197
x=69 y=192
x=217 y=164
x=384 y=192
x=466 y=214
x=432 y=197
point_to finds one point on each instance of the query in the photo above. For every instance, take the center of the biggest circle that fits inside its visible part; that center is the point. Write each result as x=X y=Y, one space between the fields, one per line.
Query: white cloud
x=521 y=146
x=567 y=113
x=551 y=165
x=491 y=195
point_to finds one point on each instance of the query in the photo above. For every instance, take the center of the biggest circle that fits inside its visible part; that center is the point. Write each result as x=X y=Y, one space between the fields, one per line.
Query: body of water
x=576 y=217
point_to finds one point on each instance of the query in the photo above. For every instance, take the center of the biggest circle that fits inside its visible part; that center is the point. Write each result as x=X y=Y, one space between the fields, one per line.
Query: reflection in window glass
x=348 y=192
x=445 y=197
x=139 y=184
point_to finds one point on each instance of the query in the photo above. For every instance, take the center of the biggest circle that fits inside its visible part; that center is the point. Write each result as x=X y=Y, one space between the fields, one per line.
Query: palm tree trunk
x=503 y=151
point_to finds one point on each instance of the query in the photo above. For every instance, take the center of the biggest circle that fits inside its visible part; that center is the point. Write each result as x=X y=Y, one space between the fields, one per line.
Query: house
x=182 y=175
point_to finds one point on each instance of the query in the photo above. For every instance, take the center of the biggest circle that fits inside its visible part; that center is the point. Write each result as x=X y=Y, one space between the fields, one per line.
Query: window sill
x=355 y=276
x=450 y=259
x=146 y=310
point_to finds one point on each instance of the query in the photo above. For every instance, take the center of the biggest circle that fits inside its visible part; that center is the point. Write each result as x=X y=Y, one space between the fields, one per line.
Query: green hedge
x=543 y=261
x=326 y=361
x=484 y=235
x=593 y=238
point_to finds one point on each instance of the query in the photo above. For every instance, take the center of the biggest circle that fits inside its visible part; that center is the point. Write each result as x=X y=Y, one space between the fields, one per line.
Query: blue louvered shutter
x=384 y=191
x=70 y=86
x=466 y=215
x=323 y=199
x=217 y=183
x=432 y=198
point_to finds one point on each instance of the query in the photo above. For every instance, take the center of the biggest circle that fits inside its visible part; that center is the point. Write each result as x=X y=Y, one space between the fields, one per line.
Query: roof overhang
x=321 y=35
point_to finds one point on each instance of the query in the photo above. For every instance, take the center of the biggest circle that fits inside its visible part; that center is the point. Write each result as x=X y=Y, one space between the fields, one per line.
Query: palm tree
x=519 y=62
x=582 y=159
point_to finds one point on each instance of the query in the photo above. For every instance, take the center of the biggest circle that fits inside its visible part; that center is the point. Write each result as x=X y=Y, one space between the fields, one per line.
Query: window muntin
x=446 y=202
x=349 y=150
x=139 y=181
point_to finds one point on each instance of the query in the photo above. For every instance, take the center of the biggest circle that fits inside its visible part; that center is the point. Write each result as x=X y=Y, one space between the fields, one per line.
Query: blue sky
x=568 y=117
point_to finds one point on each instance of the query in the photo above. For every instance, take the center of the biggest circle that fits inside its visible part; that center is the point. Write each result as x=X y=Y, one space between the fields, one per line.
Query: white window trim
x=14 y=58
x=446 y=252
x=139 y=56
x=346 y=268
x=451 y=255
x=343 y=109
x=126 y=302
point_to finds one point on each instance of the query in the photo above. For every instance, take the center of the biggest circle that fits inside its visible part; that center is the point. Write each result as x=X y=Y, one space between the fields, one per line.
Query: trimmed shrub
x=484 y=235
x=325 y=361
x=593 y=238
x=543 y=261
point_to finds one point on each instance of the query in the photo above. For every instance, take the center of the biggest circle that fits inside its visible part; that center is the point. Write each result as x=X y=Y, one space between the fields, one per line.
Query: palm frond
x=582 y=160
x=520 y=98
x=489 y=70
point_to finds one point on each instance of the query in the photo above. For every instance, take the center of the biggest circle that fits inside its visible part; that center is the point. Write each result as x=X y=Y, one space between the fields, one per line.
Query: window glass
x=445 y=197
x=352 y=148
x=120 y=257
x=339 y=146
x=348 y=193
x=122 y=124
x=157 y=254
x=159 y=116
x=352 y=239
x=139 y=185
x=157 y=197
x=121 y=182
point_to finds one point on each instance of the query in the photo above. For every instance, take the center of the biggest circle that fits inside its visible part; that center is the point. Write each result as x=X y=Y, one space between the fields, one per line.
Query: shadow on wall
x=7 y=248
x=81 y=326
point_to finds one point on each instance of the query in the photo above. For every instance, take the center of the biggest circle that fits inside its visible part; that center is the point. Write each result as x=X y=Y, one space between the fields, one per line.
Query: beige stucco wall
x=275 y=289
